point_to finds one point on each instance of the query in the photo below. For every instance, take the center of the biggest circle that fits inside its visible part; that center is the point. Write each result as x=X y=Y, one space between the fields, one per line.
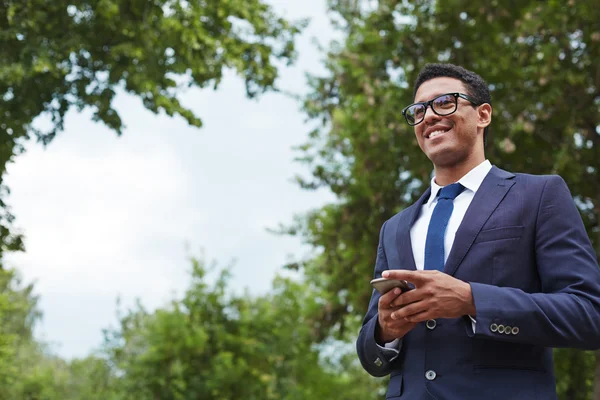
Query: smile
x=437 y=132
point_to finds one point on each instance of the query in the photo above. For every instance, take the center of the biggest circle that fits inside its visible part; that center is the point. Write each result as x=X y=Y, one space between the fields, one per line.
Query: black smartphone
x=383 y=285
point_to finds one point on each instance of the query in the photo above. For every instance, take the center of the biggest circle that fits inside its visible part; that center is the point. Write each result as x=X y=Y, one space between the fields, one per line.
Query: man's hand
x=436 y=295
x=390 y=329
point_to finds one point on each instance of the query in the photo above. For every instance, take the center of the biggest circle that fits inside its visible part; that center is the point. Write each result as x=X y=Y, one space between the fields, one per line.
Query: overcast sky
x=106 y=217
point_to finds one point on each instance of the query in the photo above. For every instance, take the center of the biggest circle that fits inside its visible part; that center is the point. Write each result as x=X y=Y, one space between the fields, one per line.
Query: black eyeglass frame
x=429 y=104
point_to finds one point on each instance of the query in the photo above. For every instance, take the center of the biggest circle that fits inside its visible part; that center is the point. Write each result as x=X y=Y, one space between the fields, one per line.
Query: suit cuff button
x=494 y=328
x=515 y=330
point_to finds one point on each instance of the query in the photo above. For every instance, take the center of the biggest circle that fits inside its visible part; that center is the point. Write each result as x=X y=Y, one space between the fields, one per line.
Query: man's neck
x=447 y=175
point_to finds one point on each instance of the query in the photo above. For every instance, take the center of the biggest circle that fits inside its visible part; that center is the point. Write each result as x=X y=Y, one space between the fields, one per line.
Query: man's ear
x=484 y=115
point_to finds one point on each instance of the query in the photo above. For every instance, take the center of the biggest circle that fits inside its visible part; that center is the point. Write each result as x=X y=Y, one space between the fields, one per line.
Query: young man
x=502 y=267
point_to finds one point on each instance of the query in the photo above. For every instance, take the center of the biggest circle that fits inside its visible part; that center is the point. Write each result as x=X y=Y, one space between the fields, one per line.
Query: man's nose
x=430 y=117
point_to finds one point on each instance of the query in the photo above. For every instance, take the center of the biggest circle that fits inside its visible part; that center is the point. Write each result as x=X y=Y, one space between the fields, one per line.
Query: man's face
x=457 y=139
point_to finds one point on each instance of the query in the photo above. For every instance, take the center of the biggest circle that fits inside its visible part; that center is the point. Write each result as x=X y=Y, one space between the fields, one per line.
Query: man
x=501 y=265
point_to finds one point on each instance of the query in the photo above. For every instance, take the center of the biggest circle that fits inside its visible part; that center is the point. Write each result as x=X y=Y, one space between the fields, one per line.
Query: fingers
x=389 y=328
x=386 y=299
x=410 y=310
x=420 y=317
x=407 y=297
x=395 y=330
x=415 y=277
x=396 y=325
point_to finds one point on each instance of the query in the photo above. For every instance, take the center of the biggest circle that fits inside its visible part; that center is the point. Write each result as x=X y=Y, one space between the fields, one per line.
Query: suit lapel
x=489 y=195
x=403 y=242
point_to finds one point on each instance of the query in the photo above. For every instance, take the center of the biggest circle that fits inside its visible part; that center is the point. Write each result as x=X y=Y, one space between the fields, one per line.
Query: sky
x=109 y=217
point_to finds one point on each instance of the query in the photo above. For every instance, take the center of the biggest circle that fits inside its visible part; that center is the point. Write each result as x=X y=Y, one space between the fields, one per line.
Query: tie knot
x=451 y=191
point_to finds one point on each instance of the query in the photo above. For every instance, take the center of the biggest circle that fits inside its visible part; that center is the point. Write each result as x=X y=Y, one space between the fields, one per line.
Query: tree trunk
x=596 y=395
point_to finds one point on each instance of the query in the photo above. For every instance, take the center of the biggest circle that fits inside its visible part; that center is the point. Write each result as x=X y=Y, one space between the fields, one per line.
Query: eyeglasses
x=442 y=105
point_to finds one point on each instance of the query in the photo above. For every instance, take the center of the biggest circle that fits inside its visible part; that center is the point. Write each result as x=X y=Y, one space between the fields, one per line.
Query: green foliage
x=545 y=92
x=207 y=345
x=18 y=312
x=296 y=342
x=59 y=55
x=540 y=60
x=211 y=344
x=574 y=371
x=27 y=371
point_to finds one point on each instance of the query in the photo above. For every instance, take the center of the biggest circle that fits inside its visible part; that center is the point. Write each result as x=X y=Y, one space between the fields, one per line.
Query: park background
x=192 y=191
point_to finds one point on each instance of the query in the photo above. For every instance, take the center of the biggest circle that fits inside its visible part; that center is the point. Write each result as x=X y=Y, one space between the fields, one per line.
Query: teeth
x=435 y=133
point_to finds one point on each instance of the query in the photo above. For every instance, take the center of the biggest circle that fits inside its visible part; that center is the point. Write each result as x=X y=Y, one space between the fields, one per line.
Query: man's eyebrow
x=432 y=97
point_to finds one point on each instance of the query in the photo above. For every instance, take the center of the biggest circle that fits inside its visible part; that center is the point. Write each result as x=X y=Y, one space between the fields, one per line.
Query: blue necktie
x=434 y=245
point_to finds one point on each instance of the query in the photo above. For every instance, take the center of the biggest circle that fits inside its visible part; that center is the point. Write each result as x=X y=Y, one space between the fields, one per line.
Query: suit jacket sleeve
x=567 y=311
x=374 y=359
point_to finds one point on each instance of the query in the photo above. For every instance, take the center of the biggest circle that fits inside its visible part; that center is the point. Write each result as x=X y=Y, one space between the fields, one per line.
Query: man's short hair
x=475 y=85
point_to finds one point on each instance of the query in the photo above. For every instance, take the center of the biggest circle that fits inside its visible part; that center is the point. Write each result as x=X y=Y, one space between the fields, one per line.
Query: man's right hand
x=390 y=329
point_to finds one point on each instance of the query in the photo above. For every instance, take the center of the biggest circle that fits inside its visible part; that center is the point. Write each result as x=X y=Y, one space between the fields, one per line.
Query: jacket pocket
x=395 y=386
x=506 y=232
x=499 y=355
x=536 y=368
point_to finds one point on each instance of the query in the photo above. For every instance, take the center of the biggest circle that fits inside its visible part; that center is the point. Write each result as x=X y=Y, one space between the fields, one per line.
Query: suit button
x=378 y=362
x=515 y=330
x=494 y=328
x=500 y=328
x=430 y=324
x=507 y=330
x=430 y=375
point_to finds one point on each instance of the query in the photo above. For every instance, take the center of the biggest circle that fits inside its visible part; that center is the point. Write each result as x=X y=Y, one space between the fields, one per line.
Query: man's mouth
x=437 y=132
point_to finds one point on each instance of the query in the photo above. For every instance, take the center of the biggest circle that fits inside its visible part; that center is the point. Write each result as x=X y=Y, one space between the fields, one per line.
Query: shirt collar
x=471 y=181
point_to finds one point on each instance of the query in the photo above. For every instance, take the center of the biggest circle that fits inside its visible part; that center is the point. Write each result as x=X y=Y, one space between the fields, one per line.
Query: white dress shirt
x=418 y=232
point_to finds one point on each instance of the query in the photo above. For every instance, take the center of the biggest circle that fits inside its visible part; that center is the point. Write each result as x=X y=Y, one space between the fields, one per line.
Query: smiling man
x=501 y=265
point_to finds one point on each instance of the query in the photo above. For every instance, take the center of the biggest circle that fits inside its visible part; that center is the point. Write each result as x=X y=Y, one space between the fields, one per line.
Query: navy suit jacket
x=535 y=280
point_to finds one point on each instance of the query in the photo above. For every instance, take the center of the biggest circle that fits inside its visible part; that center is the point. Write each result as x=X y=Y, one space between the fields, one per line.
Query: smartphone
x=383 y=285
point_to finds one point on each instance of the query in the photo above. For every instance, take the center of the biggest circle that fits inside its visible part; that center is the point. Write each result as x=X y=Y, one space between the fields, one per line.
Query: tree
x=62 y=55
x=540 y=62
x=211 y=344
x=18 y=312
x=208 y=344
x=26 y=371
x=91 y=378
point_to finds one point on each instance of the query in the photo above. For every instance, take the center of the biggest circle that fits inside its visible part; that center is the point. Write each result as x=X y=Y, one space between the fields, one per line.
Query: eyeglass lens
x=442 y=105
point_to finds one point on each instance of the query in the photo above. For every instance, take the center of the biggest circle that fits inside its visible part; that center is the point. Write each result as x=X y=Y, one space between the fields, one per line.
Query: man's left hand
x=436 y=295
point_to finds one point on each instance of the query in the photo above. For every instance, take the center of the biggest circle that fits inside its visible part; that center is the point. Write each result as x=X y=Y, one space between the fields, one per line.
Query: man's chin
x=445 y=158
